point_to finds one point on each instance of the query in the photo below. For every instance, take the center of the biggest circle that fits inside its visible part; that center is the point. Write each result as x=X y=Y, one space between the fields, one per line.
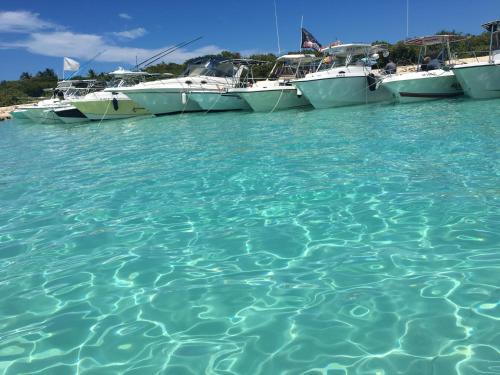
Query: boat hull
x=43 y=115
x=421 y=86
x=70 y=115
x=479 y=81
x=215 y=101
x=164 y=102
x=105 y=110
x=339 y=91
x=276 y=99
x=19 y=114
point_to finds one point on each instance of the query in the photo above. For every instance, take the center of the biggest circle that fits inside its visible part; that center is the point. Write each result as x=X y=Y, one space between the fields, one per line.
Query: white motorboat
x=110 y=104
x=345 y=77
x=173 y=95
x=277 y=92
x=69 y=114
x=225 y=99
x=43 y=111
x=481 y=80
x=431 y=79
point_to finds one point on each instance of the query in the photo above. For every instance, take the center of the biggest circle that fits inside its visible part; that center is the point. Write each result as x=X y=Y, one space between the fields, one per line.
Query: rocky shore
x=5 y=112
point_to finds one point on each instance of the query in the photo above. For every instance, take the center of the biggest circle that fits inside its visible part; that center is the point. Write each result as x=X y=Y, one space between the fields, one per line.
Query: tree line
x=30 y=87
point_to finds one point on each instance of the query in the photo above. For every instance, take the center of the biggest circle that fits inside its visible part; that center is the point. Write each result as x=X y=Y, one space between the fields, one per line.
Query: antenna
x=277 y=30
x=301 y=26
x=407 y=17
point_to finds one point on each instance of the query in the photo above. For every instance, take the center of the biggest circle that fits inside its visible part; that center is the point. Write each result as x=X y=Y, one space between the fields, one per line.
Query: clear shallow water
x=350 y=241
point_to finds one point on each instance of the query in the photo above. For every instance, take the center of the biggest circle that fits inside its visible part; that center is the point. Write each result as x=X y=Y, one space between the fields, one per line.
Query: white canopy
x=294 y=57
x=120 y=72
x=351 y=49
x=432 y=40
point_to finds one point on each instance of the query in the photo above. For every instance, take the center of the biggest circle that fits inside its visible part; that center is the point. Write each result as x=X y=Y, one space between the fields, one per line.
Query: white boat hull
x=479 y=81
x=42 y=115
x=215 y=101
x=104 y=109
x=164 y=102
x=273 y=99
x=70 y=115
x=420 y=86
x=19 y=114
x=338 y=91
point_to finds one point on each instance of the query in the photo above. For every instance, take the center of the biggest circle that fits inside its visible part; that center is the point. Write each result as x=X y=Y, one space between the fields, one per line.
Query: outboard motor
x=372 y=81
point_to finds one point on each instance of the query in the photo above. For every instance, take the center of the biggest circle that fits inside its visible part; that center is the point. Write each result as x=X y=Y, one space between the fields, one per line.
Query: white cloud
x=131 y=34
x=86 y=46
x=23 y=22
x=125 y=16
x=49 y=39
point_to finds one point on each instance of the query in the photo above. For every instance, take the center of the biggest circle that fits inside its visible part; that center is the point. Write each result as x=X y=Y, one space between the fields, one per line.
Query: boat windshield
x=433 y=57
x=76 y=88
x=337 y=61
x=210 y=68
x=289 y=69
x=126 y=81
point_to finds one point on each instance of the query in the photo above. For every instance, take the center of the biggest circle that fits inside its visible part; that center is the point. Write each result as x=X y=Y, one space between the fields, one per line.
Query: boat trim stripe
x=430 y=94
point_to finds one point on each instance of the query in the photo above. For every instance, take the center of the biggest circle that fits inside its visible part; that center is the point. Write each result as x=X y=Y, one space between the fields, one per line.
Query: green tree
x=25 y=75
x=92 y=74
x=47 y=74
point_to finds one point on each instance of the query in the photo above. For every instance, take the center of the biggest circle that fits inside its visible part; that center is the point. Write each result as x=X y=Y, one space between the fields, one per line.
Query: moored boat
x=173 y=95
x=481 y=80
x=226 y=99
x=43 y=111
x=277 y=92
x=110 y=104
x=431 y=79
x=345 y=77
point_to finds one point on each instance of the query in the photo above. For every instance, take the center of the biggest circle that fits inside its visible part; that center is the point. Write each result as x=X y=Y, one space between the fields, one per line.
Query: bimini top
x=432 y=40
x=294 y=57
x=353 y=49
x=491 y=26
x=245 y=61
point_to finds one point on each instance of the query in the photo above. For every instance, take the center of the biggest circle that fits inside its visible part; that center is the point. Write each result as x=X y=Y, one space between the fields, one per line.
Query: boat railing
x=468 y=57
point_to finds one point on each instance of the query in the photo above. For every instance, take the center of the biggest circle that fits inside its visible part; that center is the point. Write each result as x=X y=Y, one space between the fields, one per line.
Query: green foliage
x=262 y=71
x=230 y=55
x=27 y=87
x=47 y=74
x=173 y=68
x=25 y=75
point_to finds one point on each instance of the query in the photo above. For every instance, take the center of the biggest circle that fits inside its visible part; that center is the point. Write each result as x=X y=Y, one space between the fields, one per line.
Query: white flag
x=71 y=65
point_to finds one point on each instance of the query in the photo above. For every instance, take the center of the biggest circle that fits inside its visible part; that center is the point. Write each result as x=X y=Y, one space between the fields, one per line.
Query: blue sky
x=36 y=34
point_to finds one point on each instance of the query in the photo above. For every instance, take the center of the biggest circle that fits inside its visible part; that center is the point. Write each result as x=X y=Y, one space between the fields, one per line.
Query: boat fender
x=115 y=104
x=372 y=81
x=184 y=98
x=299 y=93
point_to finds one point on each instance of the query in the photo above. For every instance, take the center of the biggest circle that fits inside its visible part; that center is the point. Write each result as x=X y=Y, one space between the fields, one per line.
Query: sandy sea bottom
x=359 y=240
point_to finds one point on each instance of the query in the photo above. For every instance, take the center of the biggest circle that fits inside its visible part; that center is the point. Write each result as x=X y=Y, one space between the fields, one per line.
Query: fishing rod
x=87 y=63
x=184 y=44
x=165 y=52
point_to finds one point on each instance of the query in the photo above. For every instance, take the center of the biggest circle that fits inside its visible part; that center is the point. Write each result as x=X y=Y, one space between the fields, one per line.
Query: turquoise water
x=360 y=240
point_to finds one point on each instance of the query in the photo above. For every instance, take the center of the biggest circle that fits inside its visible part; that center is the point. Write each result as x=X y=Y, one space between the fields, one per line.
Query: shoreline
x=5 y=112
